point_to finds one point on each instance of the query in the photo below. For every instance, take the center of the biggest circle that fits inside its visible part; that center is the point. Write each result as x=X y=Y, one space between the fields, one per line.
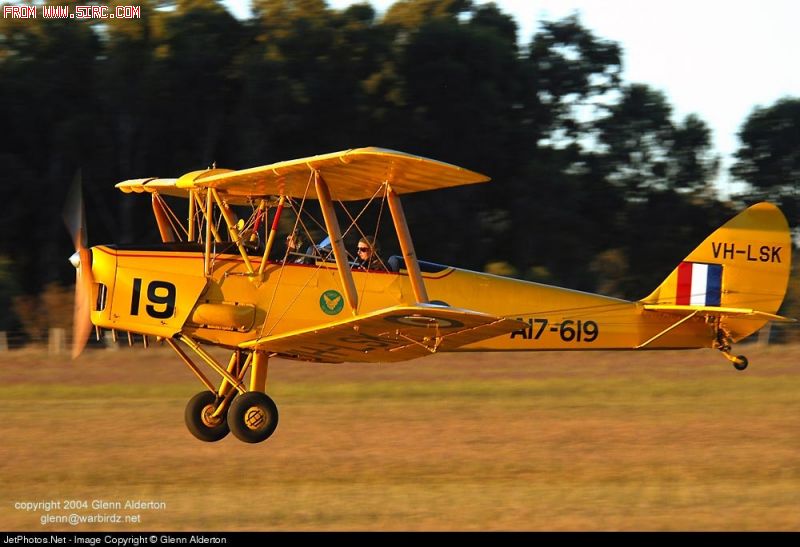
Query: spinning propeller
x=75 y=219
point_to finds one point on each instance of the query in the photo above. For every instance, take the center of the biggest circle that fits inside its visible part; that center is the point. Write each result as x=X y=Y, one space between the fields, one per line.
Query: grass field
x=537 y=441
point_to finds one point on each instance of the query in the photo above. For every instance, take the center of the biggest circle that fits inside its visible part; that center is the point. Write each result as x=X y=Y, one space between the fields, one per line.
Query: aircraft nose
x=75 y=259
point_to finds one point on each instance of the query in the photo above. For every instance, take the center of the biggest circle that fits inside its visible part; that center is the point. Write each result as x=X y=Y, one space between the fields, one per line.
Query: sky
x=715 y=58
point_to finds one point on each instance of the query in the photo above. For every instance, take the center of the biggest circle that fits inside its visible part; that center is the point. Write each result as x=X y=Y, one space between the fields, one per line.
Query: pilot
x=367 y=254
x=294 y=244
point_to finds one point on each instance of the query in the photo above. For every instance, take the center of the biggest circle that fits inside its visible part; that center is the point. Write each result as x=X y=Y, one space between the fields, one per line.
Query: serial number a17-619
x=568 y=330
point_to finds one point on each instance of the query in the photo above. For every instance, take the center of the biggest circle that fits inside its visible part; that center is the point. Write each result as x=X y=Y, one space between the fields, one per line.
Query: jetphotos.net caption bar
x=142 y=539
x=67 y=11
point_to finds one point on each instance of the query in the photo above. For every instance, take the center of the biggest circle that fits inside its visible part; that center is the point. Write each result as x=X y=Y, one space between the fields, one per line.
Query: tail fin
x=744 y=265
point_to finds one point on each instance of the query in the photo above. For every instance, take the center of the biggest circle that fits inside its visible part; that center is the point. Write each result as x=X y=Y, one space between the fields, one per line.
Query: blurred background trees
x=596 y=184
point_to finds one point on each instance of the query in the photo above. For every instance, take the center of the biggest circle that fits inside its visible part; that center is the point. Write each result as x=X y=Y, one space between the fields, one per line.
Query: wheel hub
x=207 y=415
x=255 y=417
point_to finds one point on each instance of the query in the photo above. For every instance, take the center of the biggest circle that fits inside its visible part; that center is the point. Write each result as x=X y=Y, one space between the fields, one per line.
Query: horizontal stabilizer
x=715 y=311
x=391 y=334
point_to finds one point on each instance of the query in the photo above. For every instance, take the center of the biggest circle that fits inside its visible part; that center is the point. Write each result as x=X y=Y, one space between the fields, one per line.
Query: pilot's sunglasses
x=363 y=249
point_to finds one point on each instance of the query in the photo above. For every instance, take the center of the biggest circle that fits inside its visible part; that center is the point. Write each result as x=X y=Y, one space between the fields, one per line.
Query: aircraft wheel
x=199 y=419
x=253 y=417
x=740 y=363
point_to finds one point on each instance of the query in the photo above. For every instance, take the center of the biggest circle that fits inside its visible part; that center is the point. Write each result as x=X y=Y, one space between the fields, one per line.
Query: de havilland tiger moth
x=218 y=278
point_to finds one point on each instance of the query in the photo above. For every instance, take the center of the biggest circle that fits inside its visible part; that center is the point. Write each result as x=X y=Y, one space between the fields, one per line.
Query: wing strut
x=235 y=235
x=191 y=223
x=335 y=233
x=407 y=247
x=271 y=238
x=209 y=226
x=164 y=229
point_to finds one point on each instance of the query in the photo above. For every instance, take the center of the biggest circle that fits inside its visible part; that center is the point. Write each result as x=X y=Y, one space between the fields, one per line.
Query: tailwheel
x=253 y=417
x=740 y=362
x=200 y=419
x=723 y=344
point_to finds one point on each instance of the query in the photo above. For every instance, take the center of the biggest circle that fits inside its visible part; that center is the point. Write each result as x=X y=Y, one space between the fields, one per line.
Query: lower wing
x=392 y=334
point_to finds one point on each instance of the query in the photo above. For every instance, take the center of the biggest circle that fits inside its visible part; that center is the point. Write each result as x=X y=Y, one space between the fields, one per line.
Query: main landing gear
x=252 y=417
x=250 y=414
x=200 y=418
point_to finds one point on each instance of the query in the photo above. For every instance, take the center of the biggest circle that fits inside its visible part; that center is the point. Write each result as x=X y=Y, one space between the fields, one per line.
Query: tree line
x=596 y=184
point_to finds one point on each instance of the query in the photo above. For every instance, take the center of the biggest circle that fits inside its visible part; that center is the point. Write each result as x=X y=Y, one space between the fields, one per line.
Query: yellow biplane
x=218 y=278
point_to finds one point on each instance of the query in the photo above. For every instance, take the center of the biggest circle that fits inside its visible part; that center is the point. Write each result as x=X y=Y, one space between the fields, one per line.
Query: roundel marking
x=331 y=302
x=424 y=321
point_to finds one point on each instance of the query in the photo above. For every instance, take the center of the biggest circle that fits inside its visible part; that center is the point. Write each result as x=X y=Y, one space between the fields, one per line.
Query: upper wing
x=176 y=187
x=164 y=187
x=392 y=334
x=351 y=175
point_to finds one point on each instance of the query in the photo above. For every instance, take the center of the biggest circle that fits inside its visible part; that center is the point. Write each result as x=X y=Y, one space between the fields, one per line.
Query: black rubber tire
x=253 y=417
x=197 y=405
x=741 y=364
